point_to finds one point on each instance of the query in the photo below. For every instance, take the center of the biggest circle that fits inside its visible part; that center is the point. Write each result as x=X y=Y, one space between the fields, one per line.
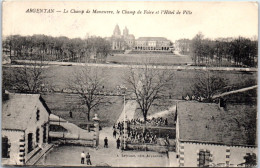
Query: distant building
x=122 y=41
x=25 y=127
x=207 y=135
x=126 y=41
x=152 y=44
x=183 y=46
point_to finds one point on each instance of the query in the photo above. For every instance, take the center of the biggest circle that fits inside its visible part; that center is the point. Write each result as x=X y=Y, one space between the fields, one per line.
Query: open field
x=61 y=104
x=158 y=59
x=182 y=85
x=58 y=77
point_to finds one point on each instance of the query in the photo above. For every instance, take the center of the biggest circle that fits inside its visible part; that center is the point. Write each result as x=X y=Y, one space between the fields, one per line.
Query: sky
x=212 y=19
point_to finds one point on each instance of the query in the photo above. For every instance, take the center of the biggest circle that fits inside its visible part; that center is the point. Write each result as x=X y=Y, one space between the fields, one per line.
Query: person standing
x=114 y=133
x=70 y=114
x=88 y=159
x=106 y=142
x=82 y=157
x=118 y=143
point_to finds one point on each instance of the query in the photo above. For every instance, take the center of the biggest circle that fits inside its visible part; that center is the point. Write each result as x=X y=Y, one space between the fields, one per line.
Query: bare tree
x=148 y=84
x=88 y=84
x=207 y=84
x=28 y=78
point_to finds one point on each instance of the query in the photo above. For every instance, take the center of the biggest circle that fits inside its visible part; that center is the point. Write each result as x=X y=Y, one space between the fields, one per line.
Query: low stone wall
x=86 y=143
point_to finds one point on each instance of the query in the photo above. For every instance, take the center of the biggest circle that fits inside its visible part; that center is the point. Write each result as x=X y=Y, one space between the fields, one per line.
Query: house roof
x=17 y=110
x=152 y=39
x=208 y=123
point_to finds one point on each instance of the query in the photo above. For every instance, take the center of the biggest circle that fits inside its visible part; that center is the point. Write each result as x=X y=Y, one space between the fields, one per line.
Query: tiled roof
x=207 y=122
x=17 y=110
x=152 y=39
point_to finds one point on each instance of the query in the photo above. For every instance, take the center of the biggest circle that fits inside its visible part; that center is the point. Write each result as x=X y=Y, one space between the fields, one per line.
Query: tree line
x=239 y=51
x=48 y=48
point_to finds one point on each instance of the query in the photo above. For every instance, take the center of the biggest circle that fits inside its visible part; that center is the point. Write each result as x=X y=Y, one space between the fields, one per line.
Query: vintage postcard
x=129 y=84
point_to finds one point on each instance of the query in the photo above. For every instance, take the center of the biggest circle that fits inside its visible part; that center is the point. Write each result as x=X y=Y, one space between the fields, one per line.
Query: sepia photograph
x=129 y=84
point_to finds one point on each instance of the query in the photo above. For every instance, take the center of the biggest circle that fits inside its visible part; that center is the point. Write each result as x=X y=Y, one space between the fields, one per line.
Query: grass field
x=61 y=104
x=159 y=59
x=58 y=77
x=182 y=85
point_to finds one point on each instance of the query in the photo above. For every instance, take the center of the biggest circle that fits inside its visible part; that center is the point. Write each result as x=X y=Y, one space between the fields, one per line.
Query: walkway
x=74 y=132
x=163 y=113
x=235 y=91
x=174 y=67
x=130 y=108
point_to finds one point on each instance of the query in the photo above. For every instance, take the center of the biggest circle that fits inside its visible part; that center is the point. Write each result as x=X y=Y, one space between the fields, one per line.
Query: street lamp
x=123 y=90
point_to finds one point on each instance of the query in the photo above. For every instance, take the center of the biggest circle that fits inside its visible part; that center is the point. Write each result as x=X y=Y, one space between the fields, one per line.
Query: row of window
x=6 y=146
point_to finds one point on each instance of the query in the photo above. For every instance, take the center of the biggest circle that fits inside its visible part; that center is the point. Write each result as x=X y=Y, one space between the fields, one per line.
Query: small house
x=209 y=135
x=25 y=127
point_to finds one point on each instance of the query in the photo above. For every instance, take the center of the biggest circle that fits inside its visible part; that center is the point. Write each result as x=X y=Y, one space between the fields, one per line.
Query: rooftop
x=207 y=122
x=152 y=39
x=17 y=110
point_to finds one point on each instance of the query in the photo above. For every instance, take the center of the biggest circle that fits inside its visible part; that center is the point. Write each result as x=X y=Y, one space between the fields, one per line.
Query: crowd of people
x=159 y=121
x=193 y=97
x=135 y=136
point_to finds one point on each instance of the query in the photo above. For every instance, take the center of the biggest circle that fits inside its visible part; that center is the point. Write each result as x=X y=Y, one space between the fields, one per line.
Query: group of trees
x=48 y=48
x=29 y=78
x=224 y=51
x=145 y=85
x=220 y=52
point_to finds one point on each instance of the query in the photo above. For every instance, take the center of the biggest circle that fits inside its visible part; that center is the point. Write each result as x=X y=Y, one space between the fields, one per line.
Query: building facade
x=122 y=41
x=25 y=127
x=153 y=44
x=126 y=41
x=183 y=46
x=203 y=140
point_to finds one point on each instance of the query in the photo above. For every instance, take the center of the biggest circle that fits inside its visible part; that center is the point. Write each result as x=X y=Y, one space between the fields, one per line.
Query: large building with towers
x=122 y=41
x=126 y=41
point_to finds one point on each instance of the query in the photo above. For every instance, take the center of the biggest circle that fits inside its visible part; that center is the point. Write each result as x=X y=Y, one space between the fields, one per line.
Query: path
x=130 y=108
x=173 y=67
x=163 y=113
x=117 y=158
x=24 y=66
x=235 y=91
x=74 y=132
